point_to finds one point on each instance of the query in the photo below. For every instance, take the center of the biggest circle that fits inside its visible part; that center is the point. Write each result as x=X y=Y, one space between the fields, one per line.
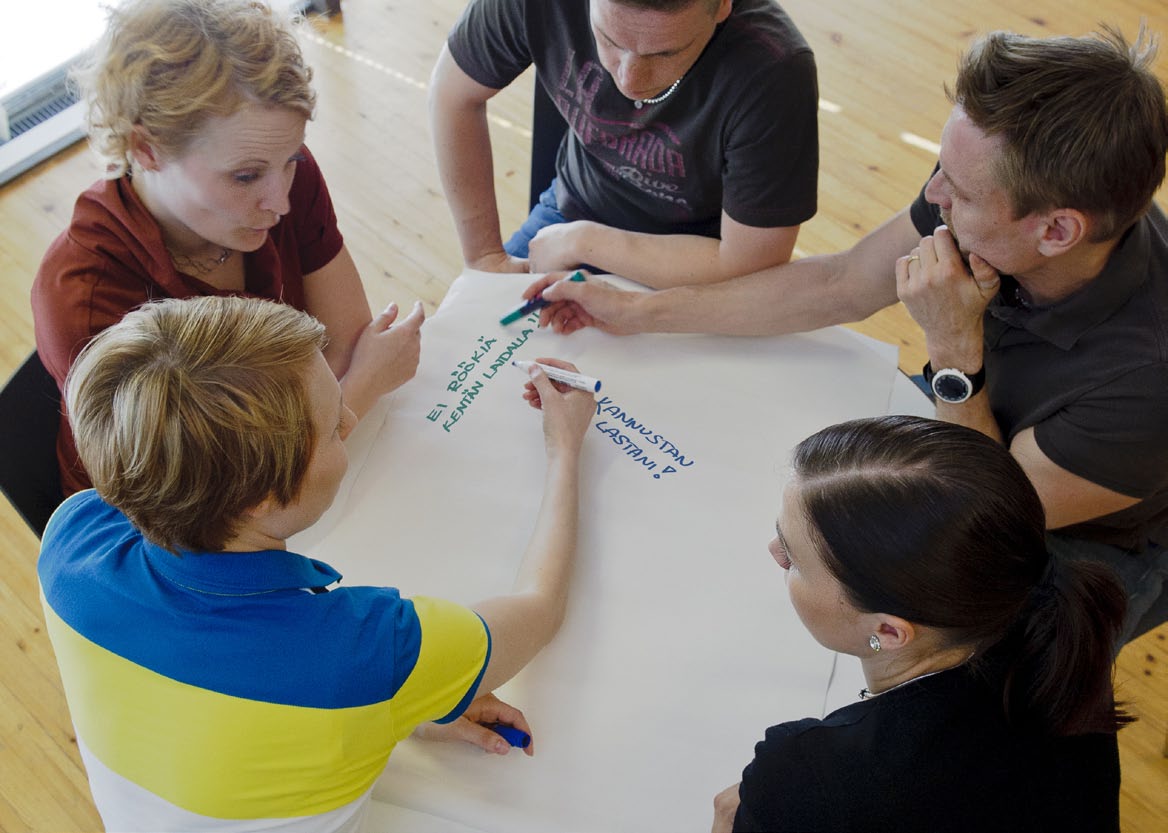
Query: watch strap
x=976 y=380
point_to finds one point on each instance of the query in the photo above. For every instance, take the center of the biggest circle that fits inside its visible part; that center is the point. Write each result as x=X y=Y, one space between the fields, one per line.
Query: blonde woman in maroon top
x=199 y=108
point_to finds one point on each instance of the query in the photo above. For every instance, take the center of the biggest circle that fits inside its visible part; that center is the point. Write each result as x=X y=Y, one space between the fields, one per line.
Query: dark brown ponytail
x=938 y=524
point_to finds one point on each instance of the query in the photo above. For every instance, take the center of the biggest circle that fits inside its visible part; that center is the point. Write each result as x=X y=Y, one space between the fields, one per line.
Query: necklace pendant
x=641 y=102
x=197 y=267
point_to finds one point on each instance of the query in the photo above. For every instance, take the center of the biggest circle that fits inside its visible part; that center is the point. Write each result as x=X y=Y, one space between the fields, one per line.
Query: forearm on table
x=668 y=260
x=796 y=297
x=657 y=260
x=524 y=621
x=546 y=565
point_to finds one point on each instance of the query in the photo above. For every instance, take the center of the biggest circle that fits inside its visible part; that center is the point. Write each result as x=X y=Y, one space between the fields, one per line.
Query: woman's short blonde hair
x=169 y=65
x=189 y=412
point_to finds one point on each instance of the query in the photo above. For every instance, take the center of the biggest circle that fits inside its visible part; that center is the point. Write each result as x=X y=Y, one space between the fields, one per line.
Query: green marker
x=535 y=303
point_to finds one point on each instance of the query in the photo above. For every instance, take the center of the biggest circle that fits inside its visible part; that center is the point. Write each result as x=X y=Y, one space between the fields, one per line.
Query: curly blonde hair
x=169 y=65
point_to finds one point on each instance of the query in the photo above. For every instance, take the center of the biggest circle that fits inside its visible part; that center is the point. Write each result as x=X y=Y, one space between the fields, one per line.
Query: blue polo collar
x=240 y=573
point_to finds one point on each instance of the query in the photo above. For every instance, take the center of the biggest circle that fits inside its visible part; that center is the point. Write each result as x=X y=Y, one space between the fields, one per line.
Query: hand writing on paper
x=486 y=708
x=575 y=305
x=566 y=412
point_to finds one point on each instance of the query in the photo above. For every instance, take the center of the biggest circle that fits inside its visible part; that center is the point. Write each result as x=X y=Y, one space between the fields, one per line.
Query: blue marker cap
x=513 y=736
x=528 y=307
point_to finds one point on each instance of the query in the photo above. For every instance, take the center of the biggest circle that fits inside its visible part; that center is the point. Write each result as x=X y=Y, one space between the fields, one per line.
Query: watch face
x=951 y=386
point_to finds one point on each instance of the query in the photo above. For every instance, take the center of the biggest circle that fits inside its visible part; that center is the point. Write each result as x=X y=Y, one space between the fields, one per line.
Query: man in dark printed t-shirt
x=692 y=149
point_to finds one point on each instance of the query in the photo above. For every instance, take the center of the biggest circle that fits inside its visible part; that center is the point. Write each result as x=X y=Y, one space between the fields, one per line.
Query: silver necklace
x=865 y=694
x=200 y=267
x=641 y=102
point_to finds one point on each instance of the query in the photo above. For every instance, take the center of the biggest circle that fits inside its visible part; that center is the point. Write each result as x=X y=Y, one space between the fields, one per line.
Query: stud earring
x=874 y=643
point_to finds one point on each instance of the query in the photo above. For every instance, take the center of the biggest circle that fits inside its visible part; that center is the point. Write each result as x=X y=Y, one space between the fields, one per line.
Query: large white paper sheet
x=680 y=646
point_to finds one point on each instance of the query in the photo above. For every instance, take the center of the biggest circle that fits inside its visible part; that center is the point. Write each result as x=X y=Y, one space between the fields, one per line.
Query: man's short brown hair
x=1082 y=120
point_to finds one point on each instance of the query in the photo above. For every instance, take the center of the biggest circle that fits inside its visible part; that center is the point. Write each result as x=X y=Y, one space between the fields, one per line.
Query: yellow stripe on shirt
x=230 y=757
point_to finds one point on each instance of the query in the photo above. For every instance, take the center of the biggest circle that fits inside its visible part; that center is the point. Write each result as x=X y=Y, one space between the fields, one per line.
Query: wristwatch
x=951 y=385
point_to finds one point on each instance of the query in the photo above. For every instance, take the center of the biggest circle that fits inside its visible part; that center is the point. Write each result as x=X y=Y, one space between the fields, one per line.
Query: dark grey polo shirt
x=1090 y=374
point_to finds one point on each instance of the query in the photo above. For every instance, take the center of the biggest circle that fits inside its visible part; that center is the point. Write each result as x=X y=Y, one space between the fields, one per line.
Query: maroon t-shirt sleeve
x=318 y=238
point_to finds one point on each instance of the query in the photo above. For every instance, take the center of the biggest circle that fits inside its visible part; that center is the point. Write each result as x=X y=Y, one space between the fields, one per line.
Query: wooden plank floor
x=881 y=67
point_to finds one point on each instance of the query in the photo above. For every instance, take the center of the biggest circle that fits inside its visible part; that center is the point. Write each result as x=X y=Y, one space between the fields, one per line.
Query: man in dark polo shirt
x=1037 y=266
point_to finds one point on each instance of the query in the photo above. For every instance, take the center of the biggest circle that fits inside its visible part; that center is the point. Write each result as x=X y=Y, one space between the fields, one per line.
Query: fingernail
x=501 y=748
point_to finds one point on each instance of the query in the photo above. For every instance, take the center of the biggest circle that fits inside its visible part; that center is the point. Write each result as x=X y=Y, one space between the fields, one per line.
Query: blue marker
x=535 y=303
x=513 y=736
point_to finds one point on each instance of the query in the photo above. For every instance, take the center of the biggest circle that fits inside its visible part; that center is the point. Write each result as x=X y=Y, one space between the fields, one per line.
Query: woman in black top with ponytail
x=918 y=546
